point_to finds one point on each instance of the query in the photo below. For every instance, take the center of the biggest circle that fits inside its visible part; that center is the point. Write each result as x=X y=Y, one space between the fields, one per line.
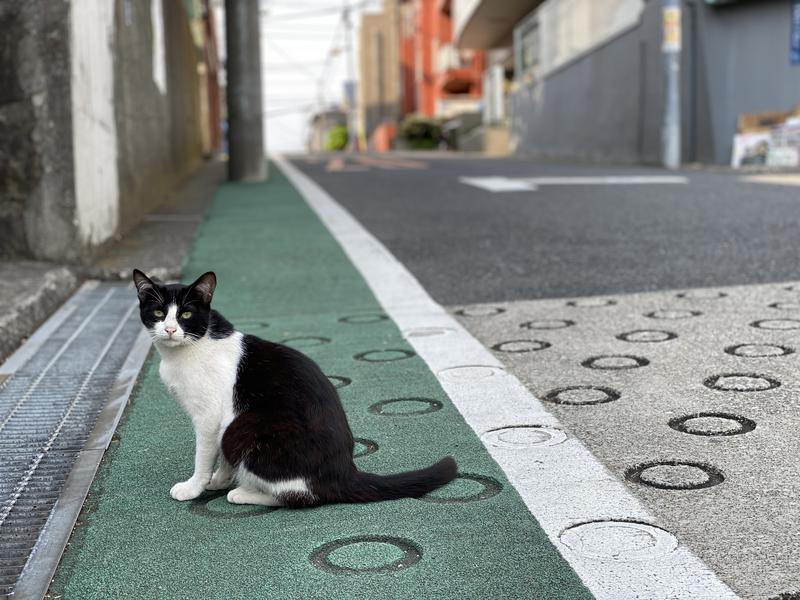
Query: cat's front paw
x=186 y=490
x=219 y=482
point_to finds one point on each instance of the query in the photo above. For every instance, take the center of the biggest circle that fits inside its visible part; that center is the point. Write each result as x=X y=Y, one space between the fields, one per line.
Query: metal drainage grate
x=75 y=371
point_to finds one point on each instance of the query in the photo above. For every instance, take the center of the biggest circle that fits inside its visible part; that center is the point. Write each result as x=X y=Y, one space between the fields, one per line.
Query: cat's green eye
x=186 y=315
x=158 y=313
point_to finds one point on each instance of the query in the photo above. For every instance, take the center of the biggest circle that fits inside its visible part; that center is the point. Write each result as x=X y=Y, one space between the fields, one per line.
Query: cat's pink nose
x=170 y=330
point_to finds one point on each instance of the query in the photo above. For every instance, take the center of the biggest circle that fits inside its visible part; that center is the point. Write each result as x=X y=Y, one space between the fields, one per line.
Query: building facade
x=104 y=107
x=586 y=79
x=410 y=65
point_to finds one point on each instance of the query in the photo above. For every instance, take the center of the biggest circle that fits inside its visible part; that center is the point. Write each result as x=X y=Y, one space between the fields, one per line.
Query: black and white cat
x=274 y=415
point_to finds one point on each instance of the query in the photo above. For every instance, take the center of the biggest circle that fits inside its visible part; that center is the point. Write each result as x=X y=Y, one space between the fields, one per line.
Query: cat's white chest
x=201 y=377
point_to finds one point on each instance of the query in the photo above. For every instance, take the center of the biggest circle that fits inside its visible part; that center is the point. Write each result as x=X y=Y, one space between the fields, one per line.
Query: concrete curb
x=28 y=312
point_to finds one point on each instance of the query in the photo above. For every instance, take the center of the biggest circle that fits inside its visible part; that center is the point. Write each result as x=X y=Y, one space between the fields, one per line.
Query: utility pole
x=245 y=107
x=671 y=49
x=350 y=86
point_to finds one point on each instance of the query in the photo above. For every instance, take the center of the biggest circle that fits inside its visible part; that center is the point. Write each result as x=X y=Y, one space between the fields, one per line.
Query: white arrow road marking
x=525 y=184
x=499 y=184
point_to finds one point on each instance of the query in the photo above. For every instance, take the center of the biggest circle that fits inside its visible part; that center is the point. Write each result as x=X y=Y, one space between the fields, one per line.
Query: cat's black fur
x=289 y=419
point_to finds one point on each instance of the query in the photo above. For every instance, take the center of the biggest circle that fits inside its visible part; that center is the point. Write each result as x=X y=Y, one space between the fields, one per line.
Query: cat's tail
x=368 y=487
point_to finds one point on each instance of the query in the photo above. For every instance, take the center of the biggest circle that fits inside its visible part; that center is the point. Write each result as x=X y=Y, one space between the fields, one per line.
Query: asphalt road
x=469 y=245
x=680 y=374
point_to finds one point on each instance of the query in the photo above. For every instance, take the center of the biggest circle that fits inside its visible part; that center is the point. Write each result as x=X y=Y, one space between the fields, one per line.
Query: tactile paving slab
x=691 y=397
x=49 y=405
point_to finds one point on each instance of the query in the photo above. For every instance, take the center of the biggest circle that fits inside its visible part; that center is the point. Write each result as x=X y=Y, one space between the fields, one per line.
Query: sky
x=303 y=63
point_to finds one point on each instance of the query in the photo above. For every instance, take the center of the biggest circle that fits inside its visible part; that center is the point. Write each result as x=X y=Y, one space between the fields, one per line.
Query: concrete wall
x=747 y=47
x=606 y=105
x=157 y=103
x=598 y=106
x=37 y=196
x=94 y=130
x=96 y=122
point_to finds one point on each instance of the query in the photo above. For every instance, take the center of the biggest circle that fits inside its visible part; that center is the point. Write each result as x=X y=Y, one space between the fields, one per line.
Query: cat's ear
x=203 y=287
x=143 y=283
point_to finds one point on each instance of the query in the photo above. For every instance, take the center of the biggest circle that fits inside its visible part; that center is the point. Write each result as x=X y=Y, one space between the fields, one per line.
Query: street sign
x=672 y=29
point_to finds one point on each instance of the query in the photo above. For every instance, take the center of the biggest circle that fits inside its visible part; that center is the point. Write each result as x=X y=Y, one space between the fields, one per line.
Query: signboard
x=672 y=29
x=794 y=53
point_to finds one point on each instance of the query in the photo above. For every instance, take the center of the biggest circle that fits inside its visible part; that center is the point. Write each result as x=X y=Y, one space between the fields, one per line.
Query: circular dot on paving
x=524 y=436
x=547 y=324
x=363 y=319
x=582 y=395
x=786 y=596
x=591 y=302
x=367 y=447
x=214 y=505
x=339 y=381
x=366 y=554
x=480 y=311
x=785 y=305
x=387 y=355
x=759 y=350
x=712 y=424
x=420 y=332
x=776 y=324
x=403 y=407
x=741 y=382
x=470 y=372
x=647 y=336
x=305 y=341
x=619 y=540
x=517 y=346
x=671 y=314
x=465 y=484
x=615 y=362
x=675 y=475
x=701 y=294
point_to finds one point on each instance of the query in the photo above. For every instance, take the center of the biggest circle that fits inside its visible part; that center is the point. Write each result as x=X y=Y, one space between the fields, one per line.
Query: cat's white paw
x=238 y=496
x=186 y=490
x=219 y=482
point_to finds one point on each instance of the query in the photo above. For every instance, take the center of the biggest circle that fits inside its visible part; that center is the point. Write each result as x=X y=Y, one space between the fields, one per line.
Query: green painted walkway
x=281 y=275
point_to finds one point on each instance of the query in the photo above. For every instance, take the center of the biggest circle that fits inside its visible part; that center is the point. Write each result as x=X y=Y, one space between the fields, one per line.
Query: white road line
x=525 y=184
x=583 y=508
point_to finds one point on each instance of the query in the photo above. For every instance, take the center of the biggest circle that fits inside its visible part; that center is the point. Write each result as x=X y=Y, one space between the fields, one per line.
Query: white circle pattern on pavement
x=647 y=336
x=702 y=294
x=470 y=372
x=758 y=350
x=619 y=540
x=741 y=382
x=591 y=302
x=615 y=362
x=547 y=324
x=673 y=314
x=524 y=436
x=785 y=305
x=518 y=346
x=421 y=332
x=777 y=324
x=481 y=311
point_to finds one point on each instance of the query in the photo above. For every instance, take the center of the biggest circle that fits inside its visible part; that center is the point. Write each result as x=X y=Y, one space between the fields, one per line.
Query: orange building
x=440 y=79
x=409 y=64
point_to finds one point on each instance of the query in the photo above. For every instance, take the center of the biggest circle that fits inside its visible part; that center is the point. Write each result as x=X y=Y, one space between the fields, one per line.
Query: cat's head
x=175 y=314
